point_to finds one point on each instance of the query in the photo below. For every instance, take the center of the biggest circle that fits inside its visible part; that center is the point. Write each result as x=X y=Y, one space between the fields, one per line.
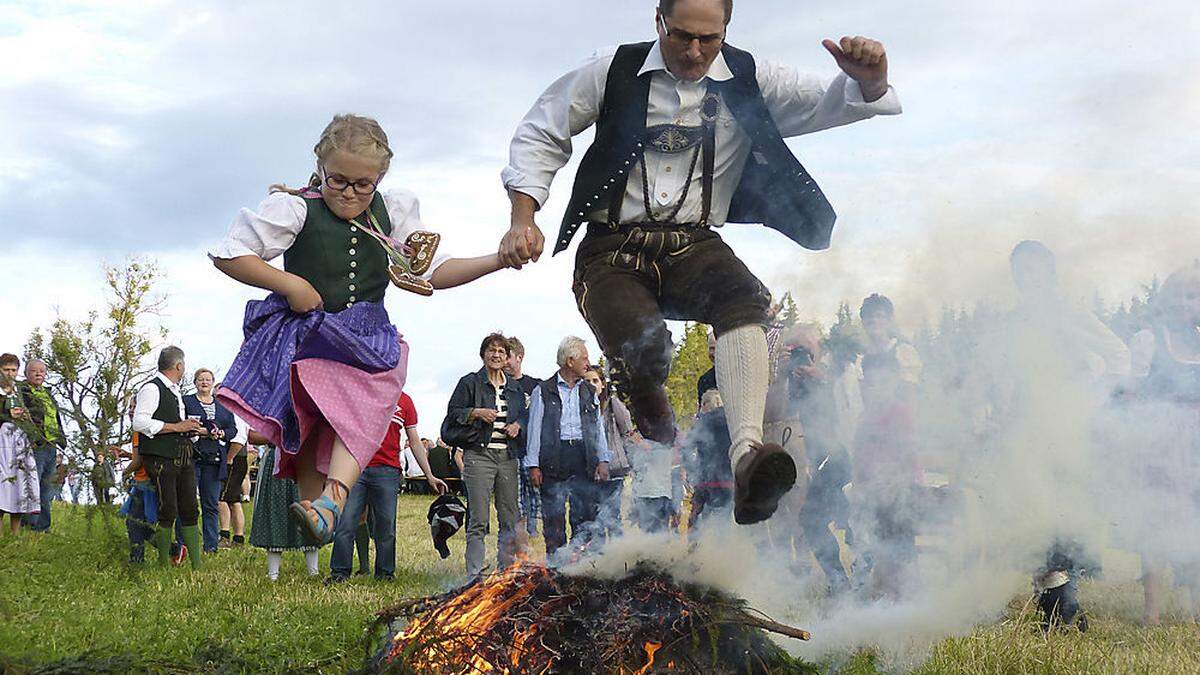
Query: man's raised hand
x=864 y=60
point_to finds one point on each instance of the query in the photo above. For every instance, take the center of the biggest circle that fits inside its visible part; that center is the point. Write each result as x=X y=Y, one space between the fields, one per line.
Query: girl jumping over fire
x=322 y=366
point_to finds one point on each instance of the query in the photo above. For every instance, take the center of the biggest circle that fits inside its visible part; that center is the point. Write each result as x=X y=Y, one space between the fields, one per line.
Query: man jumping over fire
x=689 y=136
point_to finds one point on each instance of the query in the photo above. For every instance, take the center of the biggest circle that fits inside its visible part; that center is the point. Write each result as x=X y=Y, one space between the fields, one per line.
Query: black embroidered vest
x=164 y=444
x=775 y=190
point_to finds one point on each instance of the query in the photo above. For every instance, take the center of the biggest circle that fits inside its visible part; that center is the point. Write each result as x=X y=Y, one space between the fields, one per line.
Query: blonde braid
x=354 y=134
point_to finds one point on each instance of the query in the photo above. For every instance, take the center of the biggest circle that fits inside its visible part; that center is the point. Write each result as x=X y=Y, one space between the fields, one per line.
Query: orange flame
x=651 y=648
x=469 y=616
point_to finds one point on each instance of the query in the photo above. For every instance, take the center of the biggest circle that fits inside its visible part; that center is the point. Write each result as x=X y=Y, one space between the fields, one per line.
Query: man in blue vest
x=566 y=449
x=689 y=136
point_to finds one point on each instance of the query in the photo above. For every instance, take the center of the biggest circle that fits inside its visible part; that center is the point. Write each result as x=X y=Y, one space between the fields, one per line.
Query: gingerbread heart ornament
x=420 y=247
x=408 y=281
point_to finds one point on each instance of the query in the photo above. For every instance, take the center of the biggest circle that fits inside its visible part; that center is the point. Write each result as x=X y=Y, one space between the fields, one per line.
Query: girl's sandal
x=319 y=532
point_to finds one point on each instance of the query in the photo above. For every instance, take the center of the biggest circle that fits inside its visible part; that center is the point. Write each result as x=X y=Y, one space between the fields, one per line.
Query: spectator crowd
x=565 y=453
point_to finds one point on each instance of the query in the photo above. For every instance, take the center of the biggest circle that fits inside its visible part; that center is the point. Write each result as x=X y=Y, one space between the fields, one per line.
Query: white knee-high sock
x=742 y=377
x=310 y=559
x=273 y=560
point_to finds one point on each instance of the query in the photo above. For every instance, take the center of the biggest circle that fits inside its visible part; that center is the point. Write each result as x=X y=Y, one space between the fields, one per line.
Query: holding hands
x=864 y=60
x=524 y=241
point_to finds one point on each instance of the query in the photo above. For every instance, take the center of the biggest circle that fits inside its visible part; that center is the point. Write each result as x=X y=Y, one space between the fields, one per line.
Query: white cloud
x=141 y=128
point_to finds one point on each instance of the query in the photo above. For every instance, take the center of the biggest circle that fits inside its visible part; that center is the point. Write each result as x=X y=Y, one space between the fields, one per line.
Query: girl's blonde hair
x=354 y=134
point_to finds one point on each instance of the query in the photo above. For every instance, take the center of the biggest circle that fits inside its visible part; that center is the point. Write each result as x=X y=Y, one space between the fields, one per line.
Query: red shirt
x=405 y=417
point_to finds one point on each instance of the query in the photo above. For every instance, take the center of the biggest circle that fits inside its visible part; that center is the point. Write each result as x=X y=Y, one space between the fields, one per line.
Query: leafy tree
x=688 y=364
x=95 y=366
x=789 y=314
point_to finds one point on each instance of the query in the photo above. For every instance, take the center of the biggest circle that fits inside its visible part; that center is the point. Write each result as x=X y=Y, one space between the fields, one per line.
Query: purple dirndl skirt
x=301 y=380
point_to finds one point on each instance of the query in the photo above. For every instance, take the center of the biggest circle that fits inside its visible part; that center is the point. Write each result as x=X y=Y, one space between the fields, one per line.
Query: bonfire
x=533 y=619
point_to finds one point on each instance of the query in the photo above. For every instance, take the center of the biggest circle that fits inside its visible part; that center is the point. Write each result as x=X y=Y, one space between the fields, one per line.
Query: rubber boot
x=191 y=539
x=162 y=540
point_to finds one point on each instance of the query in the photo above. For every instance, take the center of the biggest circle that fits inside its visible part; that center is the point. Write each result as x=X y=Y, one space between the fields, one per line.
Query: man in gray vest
x=566 y=449
x=689 y=136
x=165 y=446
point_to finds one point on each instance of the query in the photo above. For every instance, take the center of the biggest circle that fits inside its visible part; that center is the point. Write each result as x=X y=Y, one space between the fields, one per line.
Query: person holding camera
x=211 y=446
x=167 y=451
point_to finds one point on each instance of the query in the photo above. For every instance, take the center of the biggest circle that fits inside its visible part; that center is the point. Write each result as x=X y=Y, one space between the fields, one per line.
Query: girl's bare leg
x=343 y=473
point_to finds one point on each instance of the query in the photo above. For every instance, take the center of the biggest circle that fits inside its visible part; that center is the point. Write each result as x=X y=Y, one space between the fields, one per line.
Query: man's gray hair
x=169 y=357
x=570 y=346
x=30 y=363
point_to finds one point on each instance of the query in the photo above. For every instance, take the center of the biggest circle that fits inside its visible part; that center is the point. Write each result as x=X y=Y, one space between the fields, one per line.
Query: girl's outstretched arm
x=459 y=271
x=254 y=271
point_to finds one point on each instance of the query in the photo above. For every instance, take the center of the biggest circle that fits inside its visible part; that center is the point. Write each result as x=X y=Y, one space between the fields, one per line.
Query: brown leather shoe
x=761 y=478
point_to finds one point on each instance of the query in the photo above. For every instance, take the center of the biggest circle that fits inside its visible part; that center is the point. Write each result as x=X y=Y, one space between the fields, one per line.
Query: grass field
x=70 y=603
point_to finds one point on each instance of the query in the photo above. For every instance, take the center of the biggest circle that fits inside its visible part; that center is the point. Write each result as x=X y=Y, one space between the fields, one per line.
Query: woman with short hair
x=482 y=418
x=211 y=448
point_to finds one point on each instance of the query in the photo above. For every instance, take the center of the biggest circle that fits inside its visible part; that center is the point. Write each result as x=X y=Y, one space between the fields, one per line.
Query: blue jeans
x=379 y=486
x=208 y=480
x=46 y=459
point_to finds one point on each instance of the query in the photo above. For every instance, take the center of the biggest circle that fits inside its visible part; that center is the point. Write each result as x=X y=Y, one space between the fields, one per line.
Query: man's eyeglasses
x=338 y=182
x=684 y=38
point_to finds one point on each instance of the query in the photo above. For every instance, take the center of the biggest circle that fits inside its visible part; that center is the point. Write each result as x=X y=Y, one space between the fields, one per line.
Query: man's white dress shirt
x=146 y=405
x=799 y=104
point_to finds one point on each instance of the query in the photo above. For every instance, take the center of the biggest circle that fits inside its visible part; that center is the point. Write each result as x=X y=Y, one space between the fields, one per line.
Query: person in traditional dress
x=1167 y=359
x=165 y=445
x=322 y=367
x=689 y=136
x=271 y=529
x=19 y=488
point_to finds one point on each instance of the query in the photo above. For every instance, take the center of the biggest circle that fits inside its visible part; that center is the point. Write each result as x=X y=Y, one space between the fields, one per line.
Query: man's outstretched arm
x=541 y=146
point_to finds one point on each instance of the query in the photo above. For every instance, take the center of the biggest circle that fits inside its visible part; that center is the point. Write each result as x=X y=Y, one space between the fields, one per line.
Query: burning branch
x=530 y=619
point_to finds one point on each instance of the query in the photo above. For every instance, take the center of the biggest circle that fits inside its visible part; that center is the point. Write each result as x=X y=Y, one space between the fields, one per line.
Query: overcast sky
x=141 y=128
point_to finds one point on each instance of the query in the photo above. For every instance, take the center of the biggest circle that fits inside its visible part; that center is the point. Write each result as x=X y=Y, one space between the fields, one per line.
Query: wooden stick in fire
x=772 y=626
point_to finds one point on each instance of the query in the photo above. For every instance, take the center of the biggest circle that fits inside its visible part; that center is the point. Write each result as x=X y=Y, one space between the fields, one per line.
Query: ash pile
x=533 y=619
